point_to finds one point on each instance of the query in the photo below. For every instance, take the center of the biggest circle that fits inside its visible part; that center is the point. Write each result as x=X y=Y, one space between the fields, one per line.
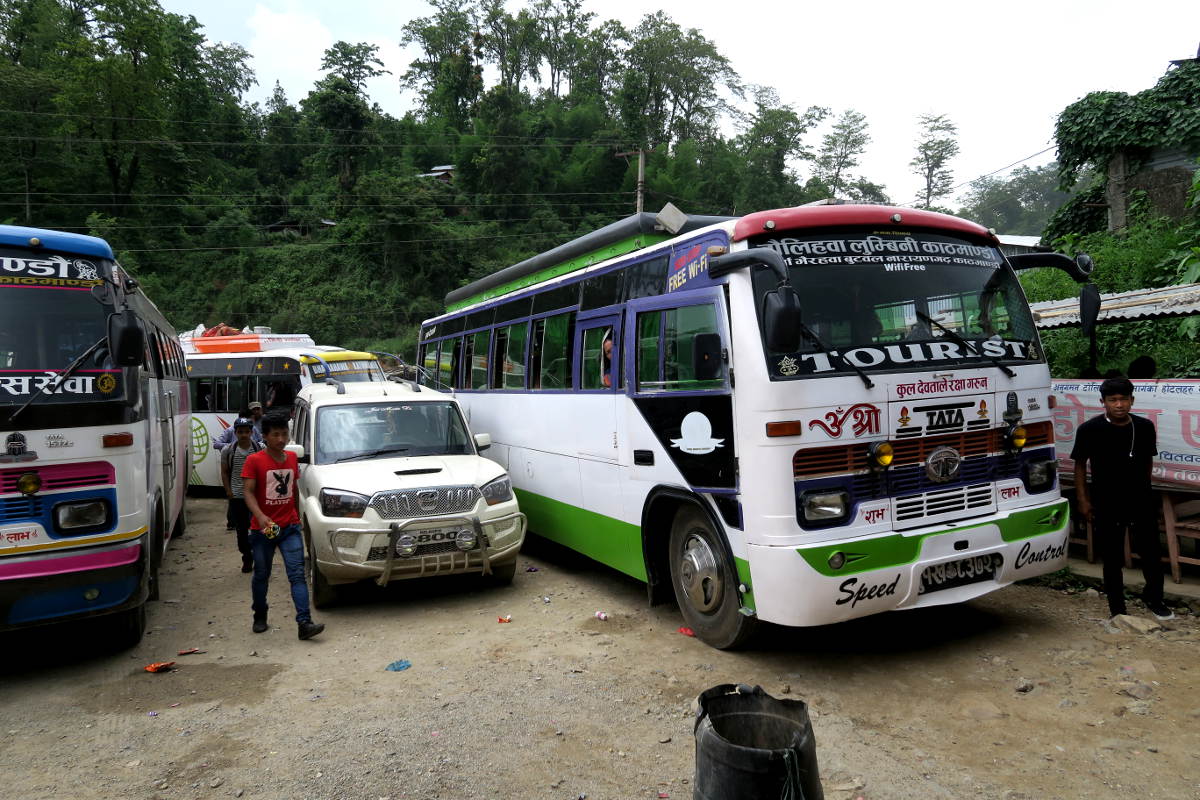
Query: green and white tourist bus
x=800 y=416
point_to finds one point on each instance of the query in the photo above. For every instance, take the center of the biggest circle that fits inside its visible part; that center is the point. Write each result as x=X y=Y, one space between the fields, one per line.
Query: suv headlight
x=825 y=506
x=338 y=503
x=497 y=491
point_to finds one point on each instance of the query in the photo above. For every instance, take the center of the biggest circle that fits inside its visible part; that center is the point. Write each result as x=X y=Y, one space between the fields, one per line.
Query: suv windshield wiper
x=372 y=453
x=62 y=376
x=969 y=347
x=810 y=333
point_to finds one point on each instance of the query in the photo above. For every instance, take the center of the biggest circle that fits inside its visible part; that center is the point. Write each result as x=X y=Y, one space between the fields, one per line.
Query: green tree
x=1020 y=203
x=935 y=148
x=444 y=75
x=840 y=150
x=773 y=139
x=354 y=62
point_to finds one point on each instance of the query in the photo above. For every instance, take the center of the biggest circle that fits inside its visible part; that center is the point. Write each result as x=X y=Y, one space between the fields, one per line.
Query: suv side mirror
x=126 y=341
x=483 y=441
x=781 y=320
x=298 y=449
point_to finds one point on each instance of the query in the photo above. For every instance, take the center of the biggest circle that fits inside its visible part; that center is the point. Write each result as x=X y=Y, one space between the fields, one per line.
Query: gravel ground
x=1026 y=693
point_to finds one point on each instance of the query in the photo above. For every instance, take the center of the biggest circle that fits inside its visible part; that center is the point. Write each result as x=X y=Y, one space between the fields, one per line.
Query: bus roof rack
x=329 y=379
x=621 y=231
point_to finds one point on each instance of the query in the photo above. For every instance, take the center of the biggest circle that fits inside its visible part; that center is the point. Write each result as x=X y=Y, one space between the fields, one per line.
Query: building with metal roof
x=1161 y=303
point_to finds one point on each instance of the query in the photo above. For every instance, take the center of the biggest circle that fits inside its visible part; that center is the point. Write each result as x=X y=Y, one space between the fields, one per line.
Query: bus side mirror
x=781 y=320
x=706 y=356
x=125 y=339
x=1089 y=308
x=1079 y=268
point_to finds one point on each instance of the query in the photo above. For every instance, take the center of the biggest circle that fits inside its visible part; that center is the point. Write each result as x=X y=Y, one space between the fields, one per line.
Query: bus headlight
x=880 y=454
x=824 y=506
x=1015 y=438
x=1040 y=475
x=338 y=503
x=86 y=514
x=497 y=491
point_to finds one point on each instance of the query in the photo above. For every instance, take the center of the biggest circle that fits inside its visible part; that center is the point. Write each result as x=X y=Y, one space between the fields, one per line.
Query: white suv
x=392 y=486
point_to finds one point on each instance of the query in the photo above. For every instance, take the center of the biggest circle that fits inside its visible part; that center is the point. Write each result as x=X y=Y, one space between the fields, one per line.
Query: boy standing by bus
x=1121 y=448
x=269 y=483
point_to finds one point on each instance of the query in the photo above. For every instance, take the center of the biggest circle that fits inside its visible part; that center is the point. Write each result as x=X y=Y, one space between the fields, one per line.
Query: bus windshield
x=904 y=301
x=42 y=330
x=365 y=431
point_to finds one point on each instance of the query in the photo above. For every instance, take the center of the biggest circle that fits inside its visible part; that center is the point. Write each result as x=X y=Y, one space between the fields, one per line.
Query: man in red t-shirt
x=269 y=480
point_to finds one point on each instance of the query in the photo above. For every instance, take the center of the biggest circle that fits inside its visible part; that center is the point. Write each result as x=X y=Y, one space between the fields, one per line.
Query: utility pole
x=641 y=179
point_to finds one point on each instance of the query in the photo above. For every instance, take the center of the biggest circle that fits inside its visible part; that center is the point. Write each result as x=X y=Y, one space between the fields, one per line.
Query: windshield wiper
x=372 y=453
x=969 y=347
x=807 y=331
x=62 y=376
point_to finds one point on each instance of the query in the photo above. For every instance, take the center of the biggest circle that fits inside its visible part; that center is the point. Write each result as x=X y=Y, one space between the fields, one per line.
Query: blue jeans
x=291 y=547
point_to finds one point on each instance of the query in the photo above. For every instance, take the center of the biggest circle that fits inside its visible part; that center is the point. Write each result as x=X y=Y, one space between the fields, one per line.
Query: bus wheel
x=705 y=582
x=128 y=627
x=180 y=522
x=323 y=594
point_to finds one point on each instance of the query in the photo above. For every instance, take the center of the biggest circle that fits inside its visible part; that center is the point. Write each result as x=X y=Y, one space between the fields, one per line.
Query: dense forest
x=323 y=213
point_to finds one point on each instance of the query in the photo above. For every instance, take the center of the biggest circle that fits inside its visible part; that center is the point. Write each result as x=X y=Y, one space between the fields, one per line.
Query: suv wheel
x=323 y=594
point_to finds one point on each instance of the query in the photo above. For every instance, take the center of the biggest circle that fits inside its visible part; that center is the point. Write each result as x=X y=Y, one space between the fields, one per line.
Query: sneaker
x=260 y=624
x=310 y=629
x=1160 y=611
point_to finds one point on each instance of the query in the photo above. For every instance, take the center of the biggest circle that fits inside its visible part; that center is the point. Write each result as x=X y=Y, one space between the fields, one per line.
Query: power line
x=328 y=244
x=260 y=194
x=261 y=143
x=301 y=205
x=989 y=174
x=356 y=224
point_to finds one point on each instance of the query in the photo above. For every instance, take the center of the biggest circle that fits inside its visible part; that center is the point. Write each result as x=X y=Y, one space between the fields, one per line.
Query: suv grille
x=403 y=503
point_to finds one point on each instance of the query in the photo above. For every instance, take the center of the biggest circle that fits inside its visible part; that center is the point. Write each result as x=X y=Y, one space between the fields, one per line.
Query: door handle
x=643 y=458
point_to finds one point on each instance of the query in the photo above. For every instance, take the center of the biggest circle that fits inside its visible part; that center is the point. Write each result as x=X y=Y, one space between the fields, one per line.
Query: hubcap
x=700 y=575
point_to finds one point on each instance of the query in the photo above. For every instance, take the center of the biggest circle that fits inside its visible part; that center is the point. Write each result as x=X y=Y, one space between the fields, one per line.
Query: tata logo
x=427 y=499
x=945 y=418
x=943 y=464
x=16 y=449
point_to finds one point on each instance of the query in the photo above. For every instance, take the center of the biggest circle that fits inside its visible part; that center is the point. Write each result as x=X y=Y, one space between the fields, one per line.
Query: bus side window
x=221 y=394
x=596 y=366
x=446 y=355
x=479 y=362
x=510 y=356
x=202 y=399
x=237 y=395
x=553 y=342
x=690 y=347
x=463 y=378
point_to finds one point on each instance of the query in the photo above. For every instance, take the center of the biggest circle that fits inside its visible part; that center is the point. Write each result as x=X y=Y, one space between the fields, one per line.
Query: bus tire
x=154 y=562
x=324 y=594
x=128 y=627
x=180 y=522
x=503 y=574
x=705 y=582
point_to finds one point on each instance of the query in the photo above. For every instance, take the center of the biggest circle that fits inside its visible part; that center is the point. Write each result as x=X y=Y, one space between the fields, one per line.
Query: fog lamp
x=837 y=560
x=1015 y=437
x=466 y=540
x=880 y=454
x=29 y=483
x=406 y=546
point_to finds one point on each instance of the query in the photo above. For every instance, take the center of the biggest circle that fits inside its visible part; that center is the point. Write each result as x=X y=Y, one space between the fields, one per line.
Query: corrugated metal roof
x=1169 y=301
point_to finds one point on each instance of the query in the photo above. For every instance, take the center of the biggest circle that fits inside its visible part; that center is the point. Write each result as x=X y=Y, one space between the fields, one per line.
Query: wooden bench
x=1181 y=519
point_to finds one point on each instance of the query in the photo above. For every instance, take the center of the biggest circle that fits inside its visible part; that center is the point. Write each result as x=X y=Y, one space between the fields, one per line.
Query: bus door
x=596 y=432
x=682 y=409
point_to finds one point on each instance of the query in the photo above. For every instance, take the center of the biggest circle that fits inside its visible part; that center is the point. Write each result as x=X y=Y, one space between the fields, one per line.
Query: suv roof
x=356 y=392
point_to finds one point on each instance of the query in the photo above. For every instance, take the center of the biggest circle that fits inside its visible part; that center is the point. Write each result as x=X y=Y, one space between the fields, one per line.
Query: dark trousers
x=239 y=516
x=1109 y=527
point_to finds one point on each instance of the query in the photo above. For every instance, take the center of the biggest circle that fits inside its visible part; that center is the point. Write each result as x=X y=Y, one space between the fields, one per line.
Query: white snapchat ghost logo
x=696 y=435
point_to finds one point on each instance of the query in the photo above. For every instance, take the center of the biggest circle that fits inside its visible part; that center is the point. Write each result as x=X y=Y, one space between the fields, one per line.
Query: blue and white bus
x=94 y=432
x=800 y=416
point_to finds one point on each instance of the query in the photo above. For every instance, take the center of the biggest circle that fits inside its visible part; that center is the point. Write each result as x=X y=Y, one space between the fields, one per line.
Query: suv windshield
x=382 y=430
x=899 y=301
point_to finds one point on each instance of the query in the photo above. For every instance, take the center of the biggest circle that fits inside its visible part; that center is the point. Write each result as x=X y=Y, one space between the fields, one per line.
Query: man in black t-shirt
x=1121 y=449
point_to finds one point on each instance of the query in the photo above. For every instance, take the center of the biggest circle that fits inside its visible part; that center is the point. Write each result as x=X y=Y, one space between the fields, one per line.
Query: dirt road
x=1023 y=694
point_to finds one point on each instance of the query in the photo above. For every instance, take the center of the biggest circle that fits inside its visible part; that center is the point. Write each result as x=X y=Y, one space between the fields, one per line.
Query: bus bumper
x=946 y=563
x=42 y=588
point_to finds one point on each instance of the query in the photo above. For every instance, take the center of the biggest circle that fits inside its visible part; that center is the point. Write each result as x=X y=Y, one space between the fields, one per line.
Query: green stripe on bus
x=620 y=248
x=743 y=571
x=610 y=541
x=892 y=551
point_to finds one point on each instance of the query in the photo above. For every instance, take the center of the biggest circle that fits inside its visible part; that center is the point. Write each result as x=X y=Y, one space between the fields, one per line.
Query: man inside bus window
x=606 y=360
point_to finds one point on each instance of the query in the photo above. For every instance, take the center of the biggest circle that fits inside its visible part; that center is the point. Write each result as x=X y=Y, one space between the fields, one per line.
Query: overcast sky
x=1000 y=71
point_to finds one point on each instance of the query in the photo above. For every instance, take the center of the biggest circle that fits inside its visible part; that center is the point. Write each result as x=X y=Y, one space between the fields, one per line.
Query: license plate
x=960 y=573
x=427 y=536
